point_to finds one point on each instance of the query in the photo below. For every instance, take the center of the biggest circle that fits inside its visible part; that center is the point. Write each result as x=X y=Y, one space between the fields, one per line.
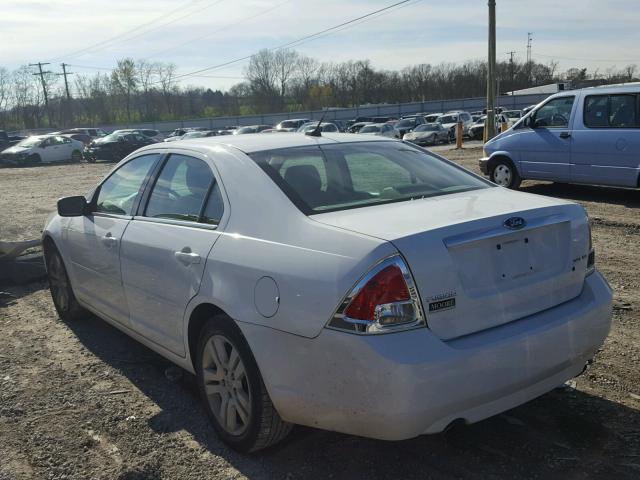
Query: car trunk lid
x=472 y=272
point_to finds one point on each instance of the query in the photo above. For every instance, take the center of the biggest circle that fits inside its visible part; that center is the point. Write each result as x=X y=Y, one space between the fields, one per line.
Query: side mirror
x=72 y=206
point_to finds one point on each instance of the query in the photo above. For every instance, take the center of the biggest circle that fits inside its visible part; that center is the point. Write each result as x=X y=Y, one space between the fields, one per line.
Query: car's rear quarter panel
x=313 y=265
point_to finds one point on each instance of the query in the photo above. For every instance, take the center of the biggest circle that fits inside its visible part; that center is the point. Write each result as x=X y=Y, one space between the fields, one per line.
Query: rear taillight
x=384 y=300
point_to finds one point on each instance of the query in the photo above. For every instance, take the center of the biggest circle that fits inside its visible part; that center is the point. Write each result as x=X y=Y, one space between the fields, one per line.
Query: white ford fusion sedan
x=361 y=285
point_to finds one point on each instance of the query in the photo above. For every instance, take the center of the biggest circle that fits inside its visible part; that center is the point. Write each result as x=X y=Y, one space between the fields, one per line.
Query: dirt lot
x=83 y=401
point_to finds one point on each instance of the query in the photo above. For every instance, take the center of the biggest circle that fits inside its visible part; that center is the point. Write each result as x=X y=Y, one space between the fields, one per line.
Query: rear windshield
x=352 y=175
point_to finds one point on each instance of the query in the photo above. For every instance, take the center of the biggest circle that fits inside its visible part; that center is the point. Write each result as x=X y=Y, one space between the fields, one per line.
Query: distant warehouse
x=552 y=88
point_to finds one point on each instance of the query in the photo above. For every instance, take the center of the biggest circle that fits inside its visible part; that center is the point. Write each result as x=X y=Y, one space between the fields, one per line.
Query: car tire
x=62 y=294
x=505 y=174
x=91 y=159
x=76 y=156
x=34 y=159
x=232 y=389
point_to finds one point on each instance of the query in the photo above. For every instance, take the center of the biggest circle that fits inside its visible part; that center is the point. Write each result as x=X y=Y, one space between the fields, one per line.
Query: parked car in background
x=383 y=119
x=589 y=136
x=42 y=149
x=355 y=128
x=450 y=121
x=80 y=137
x=291 y=125
x=381 y=129
x=154 y=135
x=178 y=132
x=324 y=127
x=353 y=283
x=116 y=146
x=4 y=140
x=90 y=131
x=251 y=129
x=432 y=117
x=477 y=129
x=512 y=116
x=407 y=124
x=198 y=134
x=428 y=134
x=227 y=131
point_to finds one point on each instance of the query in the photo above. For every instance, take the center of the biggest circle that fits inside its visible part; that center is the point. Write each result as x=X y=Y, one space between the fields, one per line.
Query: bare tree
x=125 y=81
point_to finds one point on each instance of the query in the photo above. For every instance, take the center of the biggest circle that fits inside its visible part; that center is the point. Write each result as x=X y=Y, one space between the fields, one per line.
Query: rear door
x=545 y=149
x=65 y=148
x=94 y=241
x=165 y=247
x=606 y=144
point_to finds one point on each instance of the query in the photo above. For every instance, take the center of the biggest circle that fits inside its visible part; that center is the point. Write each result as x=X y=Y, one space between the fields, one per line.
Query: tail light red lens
x=383 y=300
x=387 y=286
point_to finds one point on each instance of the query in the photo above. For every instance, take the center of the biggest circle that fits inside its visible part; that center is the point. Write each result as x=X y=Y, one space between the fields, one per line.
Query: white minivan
x=589 y=136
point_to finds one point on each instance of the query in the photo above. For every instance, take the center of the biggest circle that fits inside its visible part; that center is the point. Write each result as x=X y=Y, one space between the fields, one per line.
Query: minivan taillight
x=384 y=300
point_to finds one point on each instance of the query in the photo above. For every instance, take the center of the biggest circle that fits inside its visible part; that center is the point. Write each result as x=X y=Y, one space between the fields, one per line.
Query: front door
x=165 y=248
x=94 y=241
x=606 y=148
x=545 y=148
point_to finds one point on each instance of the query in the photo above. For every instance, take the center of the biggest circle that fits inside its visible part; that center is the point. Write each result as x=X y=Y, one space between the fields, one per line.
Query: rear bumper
x=402 y=385
x=483 y=164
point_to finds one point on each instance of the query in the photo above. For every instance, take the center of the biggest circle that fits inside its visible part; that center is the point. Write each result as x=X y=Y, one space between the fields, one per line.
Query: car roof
x=257 y=142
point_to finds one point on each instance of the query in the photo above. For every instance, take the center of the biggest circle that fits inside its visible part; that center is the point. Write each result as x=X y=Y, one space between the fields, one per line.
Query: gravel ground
x=83 y=401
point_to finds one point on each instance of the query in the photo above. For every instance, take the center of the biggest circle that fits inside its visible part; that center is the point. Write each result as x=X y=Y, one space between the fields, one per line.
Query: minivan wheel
x=505 y=175
x=76 y=156
x=62 y=295
x=234 y=395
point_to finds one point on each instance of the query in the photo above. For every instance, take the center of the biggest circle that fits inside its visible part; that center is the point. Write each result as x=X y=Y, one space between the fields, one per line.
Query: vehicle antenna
x=317 y=132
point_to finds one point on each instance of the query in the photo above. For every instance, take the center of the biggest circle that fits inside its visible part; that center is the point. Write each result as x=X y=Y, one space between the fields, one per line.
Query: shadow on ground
x=587 y=193
x=566 y=433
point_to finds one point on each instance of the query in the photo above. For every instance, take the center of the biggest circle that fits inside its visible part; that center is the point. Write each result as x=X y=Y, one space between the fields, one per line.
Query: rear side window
x=611 y=111
x=180 y=190
x=352 y=175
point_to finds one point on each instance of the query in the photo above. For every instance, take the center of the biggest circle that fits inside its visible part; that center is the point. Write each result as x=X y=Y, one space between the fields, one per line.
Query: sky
x=91 y=35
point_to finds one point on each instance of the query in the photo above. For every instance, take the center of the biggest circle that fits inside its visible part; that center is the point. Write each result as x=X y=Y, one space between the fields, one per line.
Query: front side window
x=119 y=193
x=180 y=190
x=555 y=113
x=343 y=176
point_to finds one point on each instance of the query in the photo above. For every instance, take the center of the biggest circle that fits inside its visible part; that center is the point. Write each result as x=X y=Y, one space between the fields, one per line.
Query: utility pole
x=512 y=70
x=67 y=112
x=44 y=86
x=490 y=122
x=529 y=40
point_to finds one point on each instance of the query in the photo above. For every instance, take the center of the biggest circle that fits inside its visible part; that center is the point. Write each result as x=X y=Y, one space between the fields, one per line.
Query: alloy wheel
x=226 y=385
x=59 y=283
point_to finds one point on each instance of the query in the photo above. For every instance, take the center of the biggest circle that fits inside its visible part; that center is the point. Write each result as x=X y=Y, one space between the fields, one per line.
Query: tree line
x=274 y=81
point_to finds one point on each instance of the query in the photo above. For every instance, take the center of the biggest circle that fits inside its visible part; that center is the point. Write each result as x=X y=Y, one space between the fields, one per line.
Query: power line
x=120 y=37
x=288 y=44
x=210 y=34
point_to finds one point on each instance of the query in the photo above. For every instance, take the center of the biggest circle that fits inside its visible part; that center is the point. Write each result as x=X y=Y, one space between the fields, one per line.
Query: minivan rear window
x=611 y=111
x=353 y=175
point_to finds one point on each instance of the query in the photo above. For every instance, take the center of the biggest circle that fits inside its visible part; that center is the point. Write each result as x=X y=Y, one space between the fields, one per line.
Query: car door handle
x=187 y=257
x=109 y=240
x=565 y=135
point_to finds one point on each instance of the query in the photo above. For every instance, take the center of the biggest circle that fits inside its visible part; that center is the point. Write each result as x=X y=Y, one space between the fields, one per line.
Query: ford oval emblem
x=515 y=223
